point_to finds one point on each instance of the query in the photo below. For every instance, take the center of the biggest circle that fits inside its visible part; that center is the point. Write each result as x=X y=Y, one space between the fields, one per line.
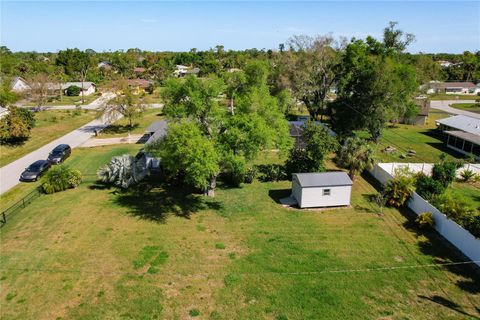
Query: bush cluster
x=61 y=178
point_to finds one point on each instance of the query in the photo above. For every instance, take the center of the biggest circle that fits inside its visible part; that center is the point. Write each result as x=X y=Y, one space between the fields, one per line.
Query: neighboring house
x=19 y=85
x=325 y=189
x=182 y=71
x=445 y=64
x=3 y=112
x=460 y=88
x=88 y=87
x=462 y=134
x=154 y=132
x=138 y=85
x=296 y=128
x=104 y=65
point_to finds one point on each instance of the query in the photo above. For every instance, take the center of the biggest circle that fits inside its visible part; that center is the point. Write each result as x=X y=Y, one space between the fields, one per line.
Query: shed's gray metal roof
x=463 y=123
x=323 y=179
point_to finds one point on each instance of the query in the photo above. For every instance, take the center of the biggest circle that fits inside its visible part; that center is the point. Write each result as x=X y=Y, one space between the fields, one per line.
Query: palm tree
x=356 y=155
x=123 y=171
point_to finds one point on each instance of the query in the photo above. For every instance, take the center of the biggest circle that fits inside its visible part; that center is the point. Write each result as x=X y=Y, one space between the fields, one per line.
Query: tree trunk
x=351 y=174
x=211 y=186
x=231 y=106
x=83 y=98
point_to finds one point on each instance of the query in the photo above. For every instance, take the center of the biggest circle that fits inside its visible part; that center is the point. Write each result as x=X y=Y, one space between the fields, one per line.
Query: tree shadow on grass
x=439 y=248
x=278 y=194
x=448 y=304
x=156 y=202
x=441 y=144
x=119 y=129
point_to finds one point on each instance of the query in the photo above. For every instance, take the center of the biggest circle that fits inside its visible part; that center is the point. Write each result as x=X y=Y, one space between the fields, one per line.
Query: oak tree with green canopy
x=204 y=138
x=76 y=63
x=374 y=87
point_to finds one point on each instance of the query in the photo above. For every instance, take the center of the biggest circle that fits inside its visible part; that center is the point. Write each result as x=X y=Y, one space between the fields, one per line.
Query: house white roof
x=86 y=85
x=323 y=179
x=463 y=123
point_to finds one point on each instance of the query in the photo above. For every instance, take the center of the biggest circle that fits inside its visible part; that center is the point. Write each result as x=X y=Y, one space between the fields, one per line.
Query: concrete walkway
x=96 y=142
x=10 y=173
x=444 y=105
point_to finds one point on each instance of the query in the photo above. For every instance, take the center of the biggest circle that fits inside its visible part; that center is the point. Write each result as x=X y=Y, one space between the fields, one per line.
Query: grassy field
x=422 y=139
x=472 y=107
x=157 y=253
x=121 y=128
x=452 y=97
x=68 y=100
x=50 y=125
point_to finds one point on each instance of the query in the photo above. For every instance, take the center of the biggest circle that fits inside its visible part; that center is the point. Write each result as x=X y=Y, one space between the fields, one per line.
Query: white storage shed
x=325 y=189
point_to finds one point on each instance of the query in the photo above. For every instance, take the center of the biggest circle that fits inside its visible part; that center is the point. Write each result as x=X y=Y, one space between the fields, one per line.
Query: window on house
x=326 y=192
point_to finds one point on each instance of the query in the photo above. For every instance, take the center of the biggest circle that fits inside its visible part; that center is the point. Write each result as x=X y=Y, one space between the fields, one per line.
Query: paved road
x=444 y=105
x=95 y=104
x=10 y=173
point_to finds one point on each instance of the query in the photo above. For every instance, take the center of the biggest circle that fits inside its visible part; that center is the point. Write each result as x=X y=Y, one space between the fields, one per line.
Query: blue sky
x=445 y=26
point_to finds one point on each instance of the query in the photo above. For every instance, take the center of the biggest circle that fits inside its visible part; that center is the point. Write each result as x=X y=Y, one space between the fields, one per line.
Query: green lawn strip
x=68 y=101
x=77 y=251
x=467 y=192
x=472 y=107
x=50 y=125
x=423 y=139
x=452 y=97
x=120 y=128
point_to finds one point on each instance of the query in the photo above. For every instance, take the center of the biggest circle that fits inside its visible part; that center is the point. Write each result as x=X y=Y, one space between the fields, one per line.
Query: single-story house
x=88 y=87
x=460 y=88
x=104 y=65
x=156 y=130
x=462 y=133
x=182 y=71
x=19 y=85
x=325 y=189
x=138 y=85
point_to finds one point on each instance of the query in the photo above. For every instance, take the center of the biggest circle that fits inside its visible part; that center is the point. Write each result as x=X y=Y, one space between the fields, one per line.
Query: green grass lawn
x=472 y=107
x=452 y=97
x=120 y=128
x=50 y=125
x=466 y=191
x=157 y=253
x=423 y=139
x=68 y=100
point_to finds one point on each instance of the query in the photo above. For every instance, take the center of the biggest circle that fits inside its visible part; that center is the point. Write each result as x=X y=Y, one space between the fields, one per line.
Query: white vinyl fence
x=449 y=229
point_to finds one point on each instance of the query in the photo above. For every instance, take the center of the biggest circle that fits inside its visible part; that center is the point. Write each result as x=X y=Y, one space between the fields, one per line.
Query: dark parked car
x=59 y=154
x=35 y=170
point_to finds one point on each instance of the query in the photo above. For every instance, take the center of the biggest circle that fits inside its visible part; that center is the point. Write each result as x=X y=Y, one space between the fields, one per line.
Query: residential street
x=95 y=104
x=444 y=105
x=10 y=173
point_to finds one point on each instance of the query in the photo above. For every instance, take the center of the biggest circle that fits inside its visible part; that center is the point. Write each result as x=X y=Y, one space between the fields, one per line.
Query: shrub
x=427 y=187
x=271 y=172
x=425 y=220
x=250 y=175
x=73 y=91
x=472 y=224
x=16 y=125
x=61 y=178
x=235 y=171
x=194 y=313
x=467 y=175
x=456 y=208
x=398 y=190
x=445 y=171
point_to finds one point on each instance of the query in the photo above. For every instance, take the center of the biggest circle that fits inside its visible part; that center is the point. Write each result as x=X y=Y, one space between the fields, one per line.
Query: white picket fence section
x=449 y=229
